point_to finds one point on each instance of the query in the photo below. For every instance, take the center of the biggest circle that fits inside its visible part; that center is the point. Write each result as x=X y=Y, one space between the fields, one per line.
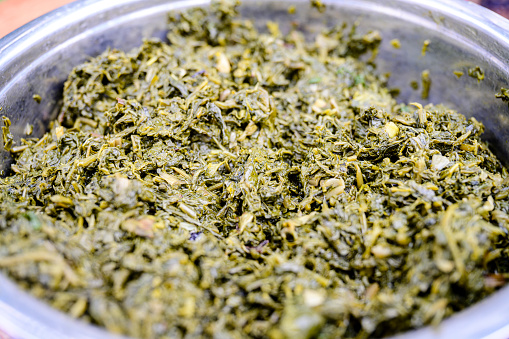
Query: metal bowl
x=36 y=59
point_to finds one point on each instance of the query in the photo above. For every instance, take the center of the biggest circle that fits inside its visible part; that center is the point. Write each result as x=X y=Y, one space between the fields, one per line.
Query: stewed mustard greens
x=233 y=183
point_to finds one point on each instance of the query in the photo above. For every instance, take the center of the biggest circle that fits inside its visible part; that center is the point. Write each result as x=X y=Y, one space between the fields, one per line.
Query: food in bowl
x=236 y=183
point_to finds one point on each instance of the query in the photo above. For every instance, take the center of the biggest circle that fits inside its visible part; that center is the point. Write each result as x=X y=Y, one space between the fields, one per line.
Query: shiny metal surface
x=36 y=58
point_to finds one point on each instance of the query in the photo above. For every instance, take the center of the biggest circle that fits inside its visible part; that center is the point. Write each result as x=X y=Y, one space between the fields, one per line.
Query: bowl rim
x=24 y=316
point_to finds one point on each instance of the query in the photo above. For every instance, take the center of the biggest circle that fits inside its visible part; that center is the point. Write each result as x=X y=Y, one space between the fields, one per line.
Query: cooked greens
x=232 y=183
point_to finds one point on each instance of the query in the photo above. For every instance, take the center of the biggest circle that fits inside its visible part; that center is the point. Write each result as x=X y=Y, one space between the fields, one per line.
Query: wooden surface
x=16 y=13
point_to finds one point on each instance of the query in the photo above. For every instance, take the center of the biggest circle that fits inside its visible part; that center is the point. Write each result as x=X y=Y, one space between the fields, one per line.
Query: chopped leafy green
x=426 y=84
x=234 y=183
x=476 y=73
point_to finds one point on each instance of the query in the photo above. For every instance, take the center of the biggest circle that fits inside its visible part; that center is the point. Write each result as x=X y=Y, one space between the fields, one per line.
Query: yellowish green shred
x=396 y=43
x=458 y=74
x=426 y=84
x=234 y=183
x=476 y=73
x=425 y=46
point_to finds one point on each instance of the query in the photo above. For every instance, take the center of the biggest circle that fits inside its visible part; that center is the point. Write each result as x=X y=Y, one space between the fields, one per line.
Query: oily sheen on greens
x=233 y=183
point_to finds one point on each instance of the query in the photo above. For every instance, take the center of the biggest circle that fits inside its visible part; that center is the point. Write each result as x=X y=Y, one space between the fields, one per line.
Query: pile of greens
x=233 y=183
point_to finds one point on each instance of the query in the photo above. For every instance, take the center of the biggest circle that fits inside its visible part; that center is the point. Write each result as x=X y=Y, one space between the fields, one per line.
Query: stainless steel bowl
x=36 y=59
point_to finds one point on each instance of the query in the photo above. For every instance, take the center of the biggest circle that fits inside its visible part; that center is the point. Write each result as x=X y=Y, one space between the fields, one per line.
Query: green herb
x=396 y=43
x=341 y=70
x=425 y=46
x=359 y=79
x=204 y=188
x=458 y=74
x=426 y=84
x=414 y=84
x=319 y=5
x=476 y=73
x=504 y=94
x=29 y=128
x=34 y=221
x=6 y=134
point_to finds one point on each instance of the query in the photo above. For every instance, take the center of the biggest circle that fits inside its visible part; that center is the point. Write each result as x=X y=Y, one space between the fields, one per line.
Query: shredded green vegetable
x=236 y=184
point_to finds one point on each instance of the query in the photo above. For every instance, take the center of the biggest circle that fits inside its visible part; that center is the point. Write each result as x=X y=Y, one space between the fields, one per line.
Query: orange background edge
x=16 y=13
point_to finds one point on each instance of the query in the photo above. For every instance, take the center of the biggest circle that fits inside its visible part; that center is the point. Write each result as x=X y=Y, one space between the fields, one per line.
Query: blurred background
x=16 y=13
x=499 y=6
